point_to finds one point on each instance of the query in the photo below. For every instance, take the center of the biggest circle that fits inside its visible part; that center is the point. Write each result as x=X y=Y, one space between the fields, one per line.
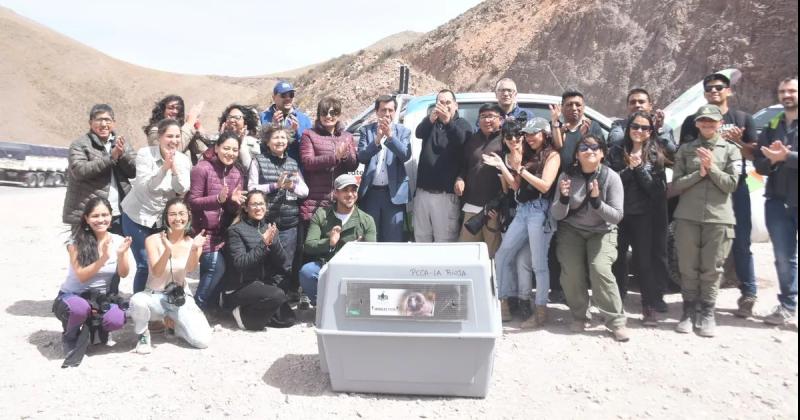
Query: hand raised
x=594 y=188
x=119 y=148
x=238 y=196
x=564 y=186
x=334 y=236
x=223 y=194
x=165 y=241
x=269 y=235
x=200 y=240
x=124 y=246
x=105 y=248
x=459 y=186
x=555 y=113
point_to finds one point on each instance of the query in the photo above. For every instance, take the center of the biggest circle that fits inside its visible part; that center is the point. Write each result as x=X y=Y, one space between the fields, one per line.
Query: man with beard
x=283 y=113
x=478 y=183
x=568 y=133
x=436 y=207
x=739 y=128
x=331 y=228
x=776 y=157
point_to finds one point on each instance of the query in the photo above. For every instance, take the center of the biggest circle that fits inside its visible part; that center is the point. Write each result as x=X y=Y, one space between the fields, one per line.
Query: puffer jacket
x=248 y=258
x=207 y=213
x=320 y=166
x=89 y=174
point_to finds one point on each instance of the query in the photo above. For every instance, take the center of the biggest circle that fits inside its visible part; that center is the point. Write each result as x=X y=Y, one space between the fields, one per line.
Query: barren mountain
x=601 y=48
x=49 y=83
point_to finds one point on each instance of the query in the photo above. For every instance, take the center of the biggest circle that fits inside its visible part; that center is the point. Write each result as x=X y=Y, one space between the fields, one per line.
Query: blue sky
x=234 y=37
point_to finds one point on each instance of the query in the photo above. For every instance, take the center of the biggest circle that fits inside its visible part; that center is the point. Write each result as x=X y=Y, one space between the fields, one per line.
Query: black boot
x=688 y=317
x=706 y=323
x=524 y=309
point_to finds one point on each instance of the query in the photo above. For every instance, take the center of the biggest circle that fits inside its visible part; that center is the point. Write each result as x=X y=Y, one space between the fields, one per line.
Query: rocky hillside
x=602 y=48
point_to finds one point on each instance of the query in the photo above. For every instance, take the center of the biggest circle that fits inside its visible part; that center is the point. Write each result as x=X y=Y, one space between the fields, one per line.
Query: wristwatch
x=557 y=124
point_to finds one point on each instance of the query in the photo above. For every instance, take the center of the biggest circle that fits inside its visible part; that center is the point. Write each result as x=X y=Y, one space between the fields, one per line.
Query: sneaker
x=745 y=306
x=621 y=334
x=649 y=318
x=557 y=296
x=304 y=303
x=143 y=345
x=779 y=316
x=238 y=316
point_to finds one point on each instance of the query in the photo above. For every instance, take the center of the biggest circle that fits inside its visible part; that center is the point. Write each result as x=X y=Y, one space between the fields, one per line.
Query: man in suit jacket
x=383 y=149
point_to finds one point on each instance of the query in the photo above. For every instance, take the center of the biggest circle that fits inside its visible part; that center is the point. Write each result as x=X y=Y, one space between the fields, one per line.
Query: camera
x=175 y=294
x=476 y=222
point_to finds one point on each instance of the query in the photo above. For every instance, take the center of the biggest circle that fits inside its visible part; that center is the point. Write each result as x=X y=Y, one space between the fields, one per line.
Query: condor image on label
x=401 y=302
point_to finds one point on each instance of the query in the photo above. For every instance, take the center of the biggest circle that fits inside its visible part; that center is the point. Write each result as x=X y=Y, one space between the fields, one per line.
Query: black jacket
x=248 y=258
x=441 y=153
x=645 y=186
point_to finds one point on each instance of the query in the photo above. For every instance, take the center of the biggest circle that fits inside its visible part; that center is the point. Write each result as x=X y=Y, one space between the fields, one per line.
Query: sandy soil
x=748 y=371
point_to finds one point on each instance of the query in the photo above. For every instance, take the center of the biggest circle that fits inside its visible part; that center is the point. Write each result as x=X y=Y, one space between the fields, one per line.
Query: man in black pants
x=738 y=128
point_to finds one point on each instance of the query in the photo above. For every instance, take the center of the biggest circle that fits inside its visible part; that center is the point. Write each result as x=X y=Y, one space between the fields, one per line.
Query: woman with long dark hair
x=162 y=173
x=326 y=151
x=173 y=107
x=172 y=253
x=256 y=258
x=640 y=162
x=242 y=121
x=215 y=196
x=95 y=257
x=588 y=208
x=532 y=178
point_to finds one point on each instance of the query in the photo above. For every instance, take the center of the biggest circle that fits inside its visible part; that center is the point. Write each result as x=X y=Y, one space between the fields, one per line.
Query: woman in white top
x=95 y=256
x=171 y=253
x=242 y=121
x=162 y=173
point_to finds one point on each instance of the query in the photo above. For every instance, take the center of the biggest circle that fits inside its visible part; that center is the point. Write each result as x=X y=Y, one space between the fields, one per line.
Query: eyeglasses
x=716 y=88
x=103 y=120
x=176 y=214
x=235 y=117
x=331 y=113
x=289 y=94
x=506 y=90
x=257 y=205
x=637 y=127
x=489 y=117
x=585 y=147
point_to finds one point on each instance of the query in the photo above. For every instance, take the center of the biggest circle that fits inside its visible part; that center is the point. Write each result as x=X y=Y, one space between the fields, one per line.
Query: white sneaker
x=238 y=317
x=143 y=345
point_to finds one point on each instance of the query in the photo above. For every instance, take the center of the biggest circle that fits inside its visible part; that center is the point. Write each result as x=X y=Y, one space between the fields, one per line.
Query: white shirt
x=100 y=280
x=381 y=171
x=153 y=187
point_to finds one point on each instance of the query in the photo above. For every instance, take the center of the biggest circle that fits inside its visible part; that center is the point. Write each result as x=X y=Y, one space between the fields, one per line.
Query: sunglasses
x=585 y=147
x=512 y=137
x=289 y=94
x=331 y=113
x=638 y=127
x=715 y=88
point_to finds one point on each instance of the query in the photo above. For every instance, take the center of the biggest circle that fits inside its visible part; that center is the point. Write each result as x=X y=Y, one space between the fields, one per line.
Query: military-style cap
x=536 y=125
x=711 y=112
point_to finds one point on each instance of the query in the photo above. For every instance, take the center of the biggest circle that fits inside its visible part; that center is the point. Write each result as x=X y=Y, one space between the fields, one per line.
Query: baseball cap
x=344 y=180
x=536 y=125
x=711 y=112
x=282 y=87
x=717 y=76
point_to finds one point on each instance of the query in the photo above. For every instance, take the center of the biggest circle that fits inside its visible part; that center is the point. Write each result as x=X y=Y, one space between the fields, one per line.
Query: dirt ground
x=748 y=371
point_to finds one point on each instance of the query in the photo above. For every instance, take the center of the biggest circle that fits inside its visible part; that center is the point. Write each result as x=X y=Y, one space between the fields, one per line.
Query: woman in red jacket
x=326 y=151
x=215 y=195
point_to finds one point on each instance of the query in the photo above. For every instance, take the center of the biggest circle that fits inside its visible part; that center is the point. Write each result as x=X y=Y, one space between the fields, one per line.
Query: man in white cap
x=283 y=113
x=332 y=227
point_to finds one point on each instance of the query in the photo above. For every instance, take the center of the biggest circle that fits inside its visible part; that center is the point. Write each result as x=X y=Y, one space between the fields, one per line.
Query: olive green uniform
x=704 y=217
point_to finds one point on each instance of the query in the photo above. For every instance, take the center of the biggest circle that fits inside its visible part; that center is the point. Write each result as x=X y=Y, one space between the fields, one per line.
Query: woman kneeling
x=256 y=257
x=171 y=254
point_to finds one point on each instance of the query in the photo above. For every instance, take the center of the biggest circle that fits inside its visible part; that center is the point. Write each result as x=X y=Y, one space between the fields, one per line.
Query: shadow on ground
x=40 y=308
x=298 y=374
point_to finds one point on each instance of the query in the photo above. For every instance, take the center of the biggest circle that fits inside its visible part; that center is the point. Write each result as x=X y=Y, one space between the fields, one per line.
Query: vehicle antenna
x=554 y=77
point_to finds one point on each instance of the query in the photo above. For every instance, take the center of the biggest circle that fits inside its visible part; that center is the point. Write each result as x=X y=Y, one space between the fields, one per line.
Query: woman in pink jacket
x=326 y=151
x=215 y=195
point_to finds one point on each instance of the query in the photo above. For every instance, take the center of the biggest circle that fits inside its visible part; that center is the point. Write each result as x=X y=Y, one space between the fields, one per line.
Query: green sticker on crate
x=355 y=312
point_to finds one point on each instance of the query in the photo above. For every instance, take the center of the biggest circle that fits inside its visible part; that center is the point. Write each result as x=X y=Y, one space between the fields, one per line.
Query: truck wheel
x=40 y=179
x=29 y=180
x=58 y=180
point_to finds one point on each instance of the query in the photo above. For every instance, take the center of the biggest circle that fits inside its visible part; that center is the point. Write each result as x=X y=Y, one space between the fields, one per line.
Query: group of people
x=262 y=206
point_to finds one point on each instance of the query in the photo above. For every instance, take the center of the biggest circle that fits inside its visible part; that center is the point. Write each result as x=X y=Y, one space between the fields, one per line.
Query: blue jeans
x=212 y=267
x=532 y=227
x=138 y=234
x=309 y=275
x=389 y=217
x=782 y=226
x=742 y=257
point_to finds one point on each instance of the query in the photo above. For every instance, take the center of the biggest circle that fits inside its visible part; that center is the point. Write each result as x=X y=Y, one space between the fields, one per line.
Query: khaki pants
x=580 y=251
x=702 y=249
x=489 y=234
x=435 y=217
